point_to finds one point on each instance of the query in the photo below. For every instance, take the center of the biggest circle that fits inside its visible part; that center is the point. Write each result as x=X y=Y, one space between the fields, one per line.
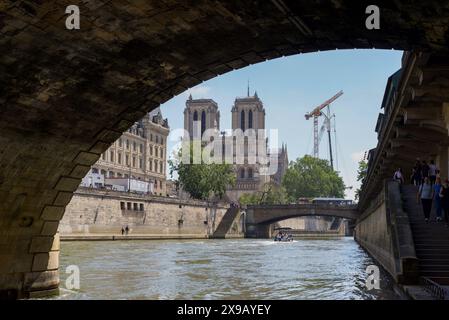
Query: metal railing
x=434 y=289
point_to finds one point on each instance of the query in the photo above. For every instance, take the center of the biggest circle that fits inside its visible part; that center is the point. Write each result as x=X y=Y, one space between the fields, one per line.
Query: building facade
x=139 y=154
x=248 y=119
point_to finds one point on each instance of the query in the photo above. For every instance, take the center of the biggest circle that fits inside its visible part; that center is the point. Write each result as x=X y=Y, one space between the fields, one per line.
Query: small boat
x=283 y=235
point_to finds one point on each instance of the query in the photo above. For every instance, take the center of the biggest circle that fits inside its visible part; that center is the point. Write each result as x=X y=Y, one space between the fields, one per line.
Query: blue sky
x=289 y=87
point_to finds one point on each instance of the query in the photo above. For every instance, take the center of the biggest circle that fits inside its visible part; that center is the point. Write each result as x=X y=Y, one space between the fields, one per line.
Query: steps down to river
x=431 y=239
x=226 y=223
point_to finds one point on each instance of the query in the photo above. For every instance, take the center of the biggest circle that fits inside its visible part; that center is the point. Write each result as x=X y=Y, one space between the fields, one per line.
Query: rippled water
x=220 y=269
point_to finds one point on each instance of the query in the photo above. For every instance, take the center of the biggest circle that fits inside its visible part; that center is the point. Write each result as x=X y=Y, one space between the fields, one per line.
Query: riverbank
x=117 y=237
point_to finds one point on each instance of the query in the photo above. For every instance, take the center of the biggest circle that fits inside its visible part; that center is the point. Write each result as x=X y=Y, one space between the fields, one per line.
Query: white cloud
x=198 y=92
x=357 y=156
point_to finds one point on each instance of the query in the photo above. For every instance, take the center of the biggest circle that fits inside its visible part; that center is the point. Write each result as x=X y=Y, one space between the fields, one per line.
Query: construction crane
x=315 y=114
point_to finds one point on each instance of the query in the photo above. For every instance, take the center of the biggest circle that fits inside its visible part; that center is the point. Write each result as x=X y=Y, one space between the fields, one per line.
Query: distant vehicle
x=332 y=201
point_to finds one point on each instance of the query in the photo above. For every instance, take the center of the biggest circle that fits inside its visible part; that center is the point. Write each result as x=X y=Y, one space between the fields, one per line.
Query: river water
x=220 y=269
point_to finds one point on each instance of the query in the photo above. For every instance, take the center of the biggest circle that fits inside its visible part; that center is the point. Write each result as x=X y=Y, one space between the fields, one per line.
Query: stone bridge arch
x=66 y=95
x=260 y=217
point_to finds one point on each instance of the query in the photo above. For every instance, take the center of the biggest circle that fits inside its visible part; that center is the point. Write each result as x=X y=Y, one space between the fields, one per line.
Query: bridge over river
x=260 y=217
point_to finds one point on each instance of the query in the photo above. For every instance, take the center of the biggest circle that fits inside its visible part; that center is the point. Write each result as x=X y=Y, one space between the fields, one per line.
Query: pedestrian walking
x=433 y=170
x=437 y=198
x=425 y=170
x=444 y=195
x=398 y=176
x=417 y=173
x=126 y=230
x=123 y=231
x=425 y=193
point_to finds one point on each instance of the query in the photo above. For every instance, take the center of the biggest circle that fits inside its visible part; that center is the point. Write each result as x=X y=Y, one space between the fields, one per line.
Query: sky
x=289 y=87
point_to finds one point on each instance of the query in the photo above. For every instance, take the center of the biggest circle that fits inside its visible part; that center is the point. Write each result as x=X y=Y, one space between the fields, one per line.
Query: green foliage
x=271 y=194
x=308 y=177
x=361 y=174
x=202 y=181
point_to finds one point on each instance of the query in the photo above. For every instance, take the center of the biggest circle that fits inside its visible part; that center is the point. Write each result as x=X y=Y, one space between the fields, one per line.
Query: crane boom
x=317 y=111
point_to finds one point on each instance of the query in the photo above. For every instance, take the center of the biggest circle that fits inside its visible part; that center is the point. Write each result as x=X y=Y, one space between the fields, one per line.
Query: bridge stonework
x=66 y=95
x=259 y=218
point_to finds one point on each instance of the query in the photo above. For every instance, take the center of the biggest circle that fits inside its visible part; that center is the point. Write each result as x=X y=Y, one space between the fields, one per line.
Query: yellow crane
x=315 y=114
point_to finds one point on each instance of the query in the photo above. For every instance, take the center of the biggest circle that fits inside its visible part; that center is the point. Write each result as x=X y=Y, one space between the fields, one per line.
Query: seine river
x=220 y=269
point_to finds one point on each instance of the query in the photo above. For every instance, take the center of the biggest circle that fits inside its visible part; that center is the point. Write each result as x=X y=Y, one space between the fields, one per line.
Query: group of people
x=431 y=189
x=283 y=236
x=125 y=230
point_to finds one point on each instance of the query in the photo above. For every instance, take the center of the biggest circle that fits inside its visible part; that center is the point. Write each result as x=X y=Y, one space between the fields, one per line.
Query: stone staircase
x=431 y=239
x=226 y=223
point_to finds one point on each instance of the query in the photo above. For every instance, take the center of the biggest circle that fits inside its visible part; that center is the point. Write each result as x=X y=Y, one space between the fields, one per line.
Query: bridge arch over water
x=259 y=218
x=67 y=95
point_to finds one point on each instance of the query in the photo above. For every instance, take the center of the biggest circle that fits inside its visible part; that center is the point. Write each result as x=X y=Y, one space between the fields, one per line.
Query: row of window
x=131 y=206
x=242 y=120
x=112 y=174
x=156 y=138
x=158 y=165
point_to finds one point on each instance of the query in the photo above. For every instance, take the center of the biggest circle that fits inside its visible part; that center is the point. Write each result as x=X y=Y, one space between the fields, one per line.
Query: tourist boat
x=283 y=235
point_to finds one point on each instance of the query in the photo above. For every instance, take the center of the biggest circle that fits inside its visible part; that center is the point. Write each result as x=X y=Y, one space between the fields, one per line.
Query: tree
x=361 y=174
x=310 y=177
x=202 y=181
x=270 y=194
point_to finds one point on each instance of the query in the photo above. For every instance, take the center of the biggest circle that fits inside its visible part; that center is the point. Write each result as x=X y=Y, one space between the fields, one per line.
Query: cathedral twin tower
x=248 y=112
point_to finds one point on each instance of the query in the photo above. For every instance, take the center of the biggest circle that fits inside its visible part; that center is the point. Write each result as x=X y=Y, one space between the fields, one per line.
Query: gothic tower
x=200 y=115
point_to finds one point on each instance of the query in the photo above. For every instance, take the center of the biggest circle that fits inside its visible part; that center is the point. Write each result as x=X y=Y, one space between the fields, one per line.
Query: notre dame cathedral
x=248 y=113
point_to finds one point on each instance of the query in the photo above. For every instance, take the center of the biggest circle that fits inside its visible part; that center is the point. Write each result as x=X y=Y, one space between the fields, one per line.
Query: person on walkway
x=444 y=195
x=126 y=230
x=417 y=174
x=433 y=170
x=425 y=193
x=398 y=176
x=425 y=170
x=437 y=198
x=123 y=231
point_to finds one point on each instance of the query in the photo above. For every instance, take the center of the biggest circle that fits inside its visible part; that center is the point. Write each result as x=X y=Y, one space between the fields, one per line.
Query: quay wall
x=101 y=214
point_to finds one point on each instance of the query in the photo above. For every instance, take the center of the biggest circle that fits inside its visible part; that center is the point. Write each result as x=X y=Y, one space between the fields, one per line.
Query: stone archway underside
x=65 y=95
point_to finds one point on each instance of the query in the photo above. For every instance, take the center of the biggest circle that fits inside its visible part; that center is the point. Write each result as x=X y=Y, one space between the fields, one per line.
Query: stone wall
x=384 y=231
x=94 y=212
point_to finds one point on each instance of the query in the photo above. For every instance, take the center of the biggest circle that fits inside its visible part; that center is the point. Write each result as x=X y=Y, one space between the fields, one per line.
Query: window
x=120 y=142
x=140 y=163
x=127 y=160
x=242 y=173
x=141 y=148
x=119 y=175
x=156 y=151
x=111 y=174
x=128 y=205
x=250 y=119
x=111 y=156
x=103 y=172
x=127 y=144
x=141 y=207
x=155 y=165
x=162 y=141
x=94 y=170
x=203 y=122
x=151 y=165
x=134 y=162
x=160 y=184
x=134 y=146
x=103 y=156
x=250 y=173
x=157 y=139
x=242 y=120
x=151 y=137
x=136 y=207
x=195 y=116
x=122 y=205
x=161 y=165
x=151 y=150
x=119 y=158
